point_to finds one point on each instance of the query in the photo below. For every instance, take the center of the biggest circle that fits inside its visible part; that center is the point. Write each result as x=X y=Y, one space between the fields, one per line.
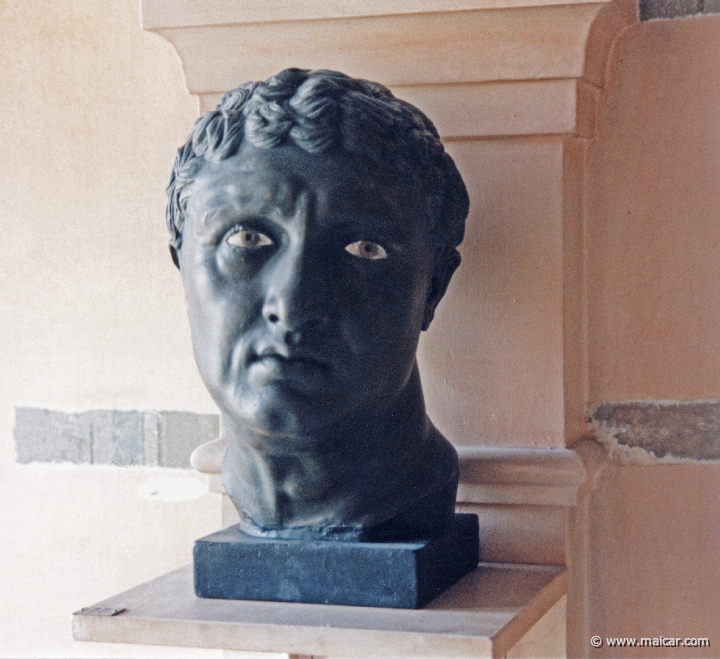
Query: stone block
x=120 y=437
x=404 y=575
x=662 y=429
x=653 y=9
x=151 y=438
x=181 y=433
x=117 y=437
x=52 y=436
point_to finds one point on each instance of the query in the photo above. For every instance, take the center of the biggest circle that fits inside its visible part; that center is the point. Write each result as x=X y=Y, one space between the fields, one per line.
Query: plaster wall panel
x=654 y=541
x=520 y=534
x=654 y=209
x=91 y=311
x=491 y=361
x=92 y=307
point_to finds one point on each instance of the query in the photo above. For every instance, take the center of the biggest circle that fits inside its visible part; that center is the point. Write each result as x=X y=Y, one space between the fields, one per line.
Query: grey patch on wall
x=658 y=9
x=648 y=432
x=119 y=437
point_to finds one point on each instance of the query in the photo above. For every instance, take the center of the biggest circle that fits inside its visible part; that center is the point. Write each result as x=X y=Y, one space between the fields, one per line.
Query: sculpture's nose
x=295 y=303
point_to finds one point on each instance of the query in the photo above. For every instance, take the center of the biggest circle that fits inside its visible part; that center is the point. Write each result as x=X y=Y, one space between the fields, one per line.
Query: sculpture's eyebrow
x=216 y=221
x=372 y=226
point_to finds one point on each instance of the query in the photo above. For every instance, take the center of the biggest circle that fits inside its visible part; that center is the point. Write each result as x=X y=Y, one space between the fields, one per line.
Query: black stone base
x=403 y=575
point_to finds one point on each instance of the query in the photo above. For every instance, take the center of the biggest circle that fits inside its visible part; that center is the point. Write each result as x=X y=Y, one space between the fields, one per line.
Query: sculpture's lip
x=298 y=371
x=287 y=356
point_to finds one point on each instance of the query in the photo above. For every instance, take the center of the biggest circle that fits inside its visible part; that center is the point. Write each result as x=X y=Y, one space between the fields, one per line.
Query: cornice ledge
x=520 y=476
x=451 y=47
x=163 y=14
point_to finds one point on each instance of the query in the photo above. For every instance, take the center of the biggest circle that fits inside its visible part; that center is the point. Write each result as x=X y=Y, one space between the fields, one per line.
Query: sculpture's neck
x=361 y=472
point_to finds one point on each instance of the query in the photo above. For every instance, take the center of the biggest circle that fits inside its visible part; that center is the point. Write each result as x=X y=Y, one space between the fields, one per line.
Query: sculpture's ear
x=175 y=256
x=446 y=262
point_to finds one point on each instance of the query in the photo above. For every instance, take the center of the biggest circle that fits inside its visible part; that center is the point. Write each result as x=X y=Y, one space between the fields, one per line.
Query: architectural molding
x=483 y=70
x=494 y=67
x=161 y=14
x=532 y=477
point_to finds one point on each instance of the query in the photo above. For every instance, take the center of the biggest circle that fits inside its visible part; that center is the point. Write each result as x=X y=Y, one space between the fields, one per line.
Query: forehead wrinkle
x=207 y=218
x=302 y=204
x=205 y=222
x=285 y=195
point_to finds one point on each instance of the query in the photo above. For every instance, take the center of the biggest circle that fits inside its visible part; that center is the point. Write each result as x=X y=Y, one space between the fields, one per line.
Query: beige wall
x=653 y=538
x=491 y=361
x=647 y=543
x=654 y=230
x=91 y=312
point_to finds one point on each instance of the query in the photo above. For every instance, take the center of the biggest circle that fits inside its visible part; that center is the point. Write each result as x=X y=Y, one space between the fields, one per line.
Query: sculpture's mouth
x=280 y=364
x=284 y=354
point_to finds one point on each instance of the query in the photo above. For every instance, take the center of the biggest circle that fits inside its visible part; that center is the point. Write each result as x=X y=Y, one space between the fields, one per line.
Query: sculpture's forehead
x=272 y=181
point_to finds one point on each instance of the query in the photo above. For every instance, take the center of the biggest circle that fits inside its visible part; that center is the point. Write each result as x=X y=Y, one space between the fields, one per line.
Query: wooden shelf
x=483 y=615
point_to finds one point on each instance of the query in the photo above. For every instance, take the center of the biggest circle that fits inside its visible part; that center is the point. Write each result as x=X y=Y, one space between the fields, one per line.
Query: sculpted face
x=308 y=279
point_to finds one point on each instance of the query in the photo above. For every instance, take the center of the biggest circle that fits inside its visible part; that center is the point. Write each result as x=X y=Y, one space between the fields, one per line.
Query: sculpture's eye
x=364 y=249
x=249 y=239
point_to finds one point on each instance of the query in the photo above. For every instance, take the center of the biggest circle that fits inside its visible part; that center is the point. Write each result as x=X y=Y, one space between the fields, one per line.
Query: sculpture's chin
x=291 y=413
x=279 y=420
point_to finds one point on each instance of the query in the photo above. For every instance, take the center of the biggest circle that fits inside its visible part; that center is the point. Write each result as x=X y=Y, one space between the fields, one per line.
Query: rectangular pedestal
x=231 y=565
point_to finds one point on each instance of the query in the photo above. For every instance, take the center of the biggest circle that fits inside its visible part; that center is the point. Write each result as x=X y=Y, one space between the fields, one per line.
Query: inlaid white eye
x=248 y=239
x=364 y=249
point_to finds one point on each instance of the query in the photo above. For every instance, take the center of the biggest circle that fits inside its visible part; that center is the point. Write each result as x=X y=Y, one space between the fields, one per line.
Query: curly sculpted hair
x=318 y=111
